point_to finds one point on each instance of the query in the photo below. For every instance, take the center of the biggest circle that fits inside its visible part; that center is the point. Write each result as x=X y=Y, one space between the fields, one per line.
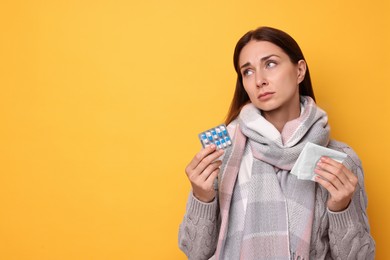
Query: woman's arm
x=348 y=230
x=198 y=233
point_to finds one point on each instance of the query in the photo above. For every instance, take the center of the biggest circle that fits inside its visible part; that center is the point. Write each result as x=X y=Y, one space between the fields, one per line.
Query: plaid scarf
x=271 y=215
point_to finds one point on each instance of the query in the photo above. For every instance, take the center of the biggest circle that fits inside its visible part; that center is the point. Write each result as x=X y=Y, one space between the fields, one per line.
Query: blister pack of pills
x=217 y=135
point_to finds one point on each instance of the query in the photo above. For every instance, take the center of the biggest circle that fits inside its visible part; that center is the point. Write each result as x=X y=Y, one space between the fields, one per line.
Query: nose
x=261 y=80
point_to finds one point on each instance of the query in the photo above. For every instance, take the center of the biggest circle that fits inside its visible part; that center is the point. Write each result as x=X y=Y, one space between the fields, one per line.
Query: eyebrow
x=262 y=59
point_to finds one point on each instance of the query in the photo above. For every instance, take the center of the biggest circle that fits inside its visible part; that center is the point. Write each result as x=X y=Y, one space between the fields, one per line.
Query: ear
x=301 y=66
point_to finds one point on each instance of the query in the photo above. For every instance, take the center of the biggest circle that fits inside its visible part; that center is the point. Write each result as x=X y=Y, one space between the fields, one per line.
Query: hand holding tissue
x=309 y=157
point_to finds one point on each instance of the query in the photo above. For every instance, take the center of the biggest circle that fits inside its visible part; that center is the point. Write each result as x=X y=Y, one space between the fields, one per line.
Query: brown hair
x=283 y=41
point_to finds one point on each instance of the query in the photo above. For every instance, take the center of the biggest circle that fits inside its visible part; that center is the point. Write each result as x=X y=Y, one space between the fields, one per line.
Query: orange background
x=101 y=103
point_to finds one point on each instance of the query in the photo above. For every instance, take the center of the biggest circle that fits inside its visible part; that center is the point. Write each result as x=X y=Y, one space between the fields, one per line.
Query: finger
x=210 y=180
x=332 y=179
x=345 y=175
x=326 y=184
x=342 y=179
x=199 y=157
x=206 y=161
x=350 y=176
x=203 y=176
x=333 y=167
x=338 y=178
x=330 y=161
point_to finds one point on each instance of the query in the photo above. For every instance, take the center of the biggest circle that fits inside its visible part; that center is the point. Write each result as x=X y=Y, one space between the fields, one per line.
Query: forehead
x=255 y=50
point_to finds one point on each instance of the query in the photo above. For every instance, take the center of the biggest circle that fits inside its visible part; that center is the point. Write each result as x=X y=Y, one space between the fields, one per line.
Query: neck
x=281 y=116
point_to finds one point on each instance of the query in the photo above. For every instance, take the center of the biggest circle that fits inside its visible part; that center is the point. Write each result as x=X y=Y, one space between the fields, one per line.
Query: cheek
x=247 y=86
x=290 y=81
x=249 y=92
x=294 y=78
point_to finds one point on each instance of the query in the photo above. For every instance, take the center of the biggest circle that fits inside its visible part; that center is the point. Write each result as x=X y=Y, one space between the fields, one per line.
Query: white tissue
x=309 y=157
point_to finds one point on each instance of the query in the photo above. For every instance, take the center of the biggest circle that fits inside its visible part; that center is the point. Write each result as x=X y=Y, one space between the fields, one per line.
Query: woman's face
x=270 y=78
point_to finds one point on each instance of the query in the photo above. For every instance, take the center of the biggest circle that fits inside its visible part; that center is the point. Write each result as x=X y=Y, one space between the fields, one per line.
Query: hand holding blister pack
x=309 y=157
x=217 y=135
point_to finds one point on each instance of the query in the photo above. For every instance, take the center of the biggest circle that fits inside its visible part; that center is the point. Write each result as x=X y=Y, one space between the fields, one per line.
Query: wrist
x=338 y=207
x=204 y=199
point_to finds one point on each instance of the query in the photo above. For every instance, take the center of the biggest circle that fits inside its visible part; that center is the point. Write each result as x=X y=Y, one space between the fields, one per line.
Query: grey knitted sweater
x=335 y=235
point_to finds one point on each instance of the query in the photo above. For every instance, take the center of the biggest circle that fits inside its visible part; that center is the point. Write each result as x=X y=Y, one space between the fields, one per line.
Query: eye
x=270 y=64
x=247 y=72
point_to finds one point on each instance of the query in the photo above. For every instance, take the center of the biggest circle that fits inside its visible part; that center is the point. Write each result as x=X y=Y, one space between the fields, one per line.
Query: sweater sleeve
x=349 y=230
x=198 y=232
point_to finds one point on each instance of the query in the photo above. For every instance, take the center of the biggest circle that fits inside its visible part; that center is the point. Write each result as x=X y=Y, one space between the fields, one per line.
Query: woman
x=261 y=210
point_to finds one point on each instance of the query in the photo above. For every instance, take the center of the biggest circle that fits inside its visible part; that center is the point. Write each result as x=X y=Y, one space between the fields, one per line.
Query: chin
x=266 y=108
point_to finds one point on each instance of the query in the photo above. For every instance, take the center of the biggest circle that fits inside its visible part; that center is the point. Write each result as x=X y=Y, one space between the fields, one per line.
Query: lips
x=265 y=95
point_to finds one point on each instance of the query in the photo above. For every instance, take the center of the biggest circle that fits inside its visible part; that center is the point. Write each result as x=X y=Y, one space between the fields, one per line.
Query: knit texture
x=271 y=216
x=335 y=235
